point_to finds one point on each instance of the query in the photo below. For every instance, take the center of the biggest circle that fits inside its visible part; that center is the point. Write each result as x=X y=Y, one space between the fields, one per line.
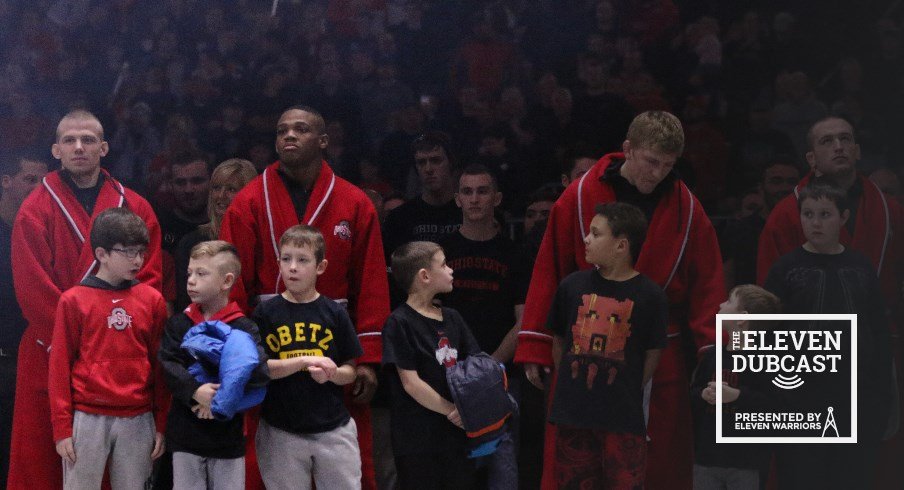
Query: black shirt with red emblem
x=412 y=341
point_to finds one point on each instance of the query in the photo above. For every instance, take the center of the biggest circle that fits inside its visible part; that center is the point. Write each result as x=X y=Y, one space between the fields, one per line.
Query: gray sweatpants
x=126 y=442
x=714 y=478
x=288 y=461
x=197 y=472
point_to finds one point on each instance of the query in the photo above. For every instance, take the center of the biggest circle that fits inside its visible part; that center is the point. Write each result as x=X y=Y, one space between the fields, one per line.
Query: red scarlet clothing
x=53 y=253
x=257 y=218
x=681 y=255
x=104 y=356
x=878 y=234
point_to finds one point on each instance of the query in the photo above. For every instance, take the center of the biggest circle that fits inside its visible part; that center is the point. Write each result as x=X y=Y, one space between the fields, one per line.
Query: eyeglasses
x=131 y=252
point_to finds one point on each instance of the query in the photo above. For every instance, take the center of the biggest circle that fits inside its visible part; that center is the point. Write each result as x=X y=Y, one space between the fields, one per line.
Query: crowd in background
x=516 y=83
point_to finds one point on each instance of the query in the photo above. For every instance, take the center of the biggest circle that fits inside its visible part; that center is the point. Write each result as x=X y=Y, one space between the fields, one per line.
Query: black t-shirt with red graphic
x=414 y=342
x=321 y=327
x=484 y=291
x=606 y=328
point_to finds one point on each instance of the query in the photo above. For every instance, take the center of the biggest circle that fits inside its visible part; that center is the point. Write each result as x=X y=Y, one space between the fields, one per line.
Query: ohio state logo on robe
x=119 y=319
x=343 y=230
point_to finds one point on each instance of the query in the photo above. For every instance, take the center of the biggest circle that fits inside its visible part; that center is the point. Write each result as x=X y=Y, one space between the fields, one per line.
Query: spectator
x=20 y=172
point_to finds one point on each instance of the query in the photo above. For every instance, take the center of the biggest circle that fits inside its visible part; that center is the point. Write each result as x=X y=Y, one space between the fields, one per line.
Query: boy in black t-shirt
x=734 y=466
x=421 y=340
x=305 y=429
x=206 y=451
x=609 y=327
x=823 y=276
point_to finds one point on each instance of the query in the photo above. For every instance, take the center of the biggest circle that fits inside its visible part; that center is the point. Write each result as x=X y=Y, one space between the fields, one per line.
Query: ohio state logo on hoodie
x=119 y=319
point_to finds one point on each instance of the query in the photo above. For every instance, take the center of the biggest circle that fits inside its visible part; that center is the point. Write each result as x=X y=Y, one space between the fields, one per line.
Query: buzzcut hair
x=480 y=169
x=319 y=122
x=80 y=115
x=11 y=160
x=811 y=138
x=576 y=152
x=304 y=236
x=409 y=258
x=432 y=140
x=118 y=225
x=658 y=131
x=214 y=248
x=824 y=188
x=627 y=221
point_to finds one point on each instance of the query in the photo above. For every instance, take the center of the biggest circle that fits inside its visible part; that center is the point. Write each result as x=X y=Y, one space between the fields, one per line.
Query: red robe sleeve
x=555 y=260
x=66 y=335
x=781 y=234
x=237 y=228
x=34 y=258
x=706 y=281
x=151 y=272
x=368 y=288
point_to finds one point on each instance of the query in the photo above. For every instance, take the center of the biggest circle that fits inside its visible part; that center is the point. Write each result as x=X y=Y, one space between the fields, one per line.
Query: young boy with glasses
x=107 y=398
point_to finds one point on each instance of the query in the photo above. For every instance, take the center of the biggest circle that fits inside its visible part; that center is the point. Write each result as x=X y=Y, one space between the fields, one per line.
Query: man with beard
x=741 y=236
x=301 y=188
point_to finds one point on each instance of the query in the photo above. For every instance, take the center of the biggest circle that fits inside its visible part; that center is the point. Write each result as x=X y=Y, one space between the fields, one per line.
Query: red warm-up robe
x=52 y=252
x=681 y=254
x=879 y=235
x=356 y=271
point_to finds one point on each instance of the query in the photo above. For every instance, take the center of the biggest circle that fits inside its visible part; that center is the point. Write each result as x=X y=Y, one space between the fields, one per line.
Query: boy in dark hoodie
x=207 y=453
x=107 y=399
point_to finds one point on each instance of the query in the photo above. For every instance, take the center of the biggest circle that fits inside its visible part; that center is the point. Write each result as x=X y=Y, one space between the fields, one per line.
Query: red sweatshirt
x=104 y=355
x=259 y=215
x=52 y=246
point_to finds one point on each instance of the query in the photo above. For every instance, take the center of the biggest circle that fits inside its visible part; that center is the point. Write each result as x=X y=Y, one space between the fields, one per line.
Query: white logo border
x=852 y=439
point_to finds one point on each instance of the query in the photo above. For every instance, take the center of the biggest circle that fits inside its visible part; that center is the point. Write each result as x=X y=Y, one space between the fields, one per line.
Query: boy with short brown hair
x=107 y=399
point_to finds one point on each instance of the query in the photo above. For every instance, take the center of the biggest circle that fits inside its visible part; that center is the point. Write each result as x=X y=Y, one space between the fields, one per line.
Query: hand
x=455 y=418
x=66 y=450
x=159 y=445
x=729 y=394
x=203 y=412
x=205 y=393
x=532 y=371
x=324 y=363
x=709 y=394
x=365 y=384
x=319 y=375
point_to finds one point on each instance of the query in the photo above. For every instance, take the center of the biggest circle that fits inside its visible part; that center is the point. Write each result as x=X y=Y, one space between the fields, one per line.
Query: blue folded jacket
x=226 y=356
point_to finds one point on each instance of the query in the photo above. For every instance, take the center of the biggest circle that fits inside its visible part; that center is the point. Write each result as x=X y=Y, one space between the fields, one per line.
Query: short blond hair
x=304 y=236
x=80 y=115
x=658 y=131
x=214 y=248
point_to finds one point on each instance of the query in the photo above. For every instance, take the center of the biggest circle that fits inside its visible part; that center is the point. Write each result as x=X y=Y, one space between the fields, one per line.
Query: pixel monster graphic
x=599 y=336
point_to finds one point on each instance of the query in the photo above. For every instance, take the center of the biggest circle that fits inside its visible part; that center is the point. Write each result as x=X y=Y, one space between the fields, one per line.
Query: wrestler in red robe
x=681 y=254
x=878 y=234
x=257 y=218
x=52 y=252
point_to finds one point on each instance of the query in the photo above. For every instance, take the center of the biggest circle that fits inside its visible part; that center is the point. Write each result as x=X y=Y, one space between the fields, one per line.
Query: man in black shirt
x=20 y=172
